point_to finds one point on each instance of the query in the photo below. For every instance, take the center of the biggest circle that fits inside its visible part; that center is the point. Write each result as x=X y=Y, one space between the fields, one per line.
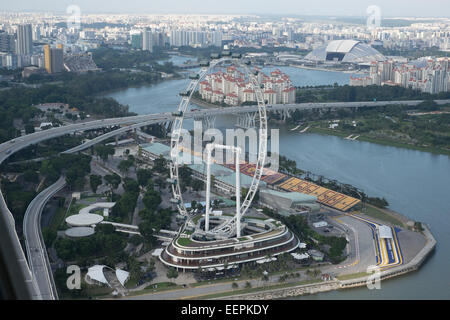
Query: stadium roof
x=352 y=51
x=295 y=197
x=341 y=45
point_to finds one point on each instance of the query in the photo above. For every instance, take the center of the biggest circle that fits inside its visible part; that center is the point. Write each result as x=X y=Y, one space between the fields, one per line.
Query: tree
x=152 y=199
x=172 y=273
x=125 y=205
x=125 y=165
x=29 y=128
x=197 y=185
x=143 y=176
x=95 y=181
x=160 y=165
x=136 y=240
x=49 y=236
x=113 y=180
x=185 y=174
x=130 y=185
x=31 y=176
x=161 y=183
x=234 y=285
x=104 y=151
x=146 y=231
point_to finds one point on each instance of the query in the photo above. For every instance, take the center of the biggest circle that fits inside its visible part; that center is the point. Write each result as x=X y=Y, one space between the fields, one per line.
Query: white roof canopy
x=298 y=256
x=122 y=276
x=266 y=260
x=96 y=273
x=385 y=232
x=157 y=252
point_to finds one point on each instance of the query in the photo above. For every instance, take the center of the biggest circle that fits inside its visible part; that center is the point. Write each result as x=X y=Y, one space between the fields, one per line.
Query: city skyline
x=346 y=8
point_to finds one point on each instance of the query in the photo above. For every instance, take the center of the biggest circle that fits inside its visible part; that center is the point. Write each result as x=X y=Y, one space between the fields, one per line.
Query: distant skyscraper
x=24 y=44
x=53 y=58
x=6 y=42
x=36 y=33
x=216 y=38
x=136 y=40
x=147 y=41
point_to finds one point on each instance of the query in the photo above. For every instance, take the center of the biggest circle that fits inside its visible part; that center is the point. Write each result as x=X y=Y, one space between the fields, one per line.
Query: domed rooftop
x=78 y=232
x=351 y=51
x=84 y=220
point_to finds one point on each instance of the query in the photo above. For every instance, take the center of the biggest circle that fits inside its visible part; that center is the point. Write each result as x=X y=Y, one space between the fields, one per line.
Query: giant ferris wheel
x=228 y=228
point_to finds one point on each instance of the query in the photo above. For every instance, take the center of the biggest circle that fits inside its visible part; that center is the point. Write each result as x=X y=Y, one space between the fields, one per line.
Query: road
x=22 y=282
x=34 y=242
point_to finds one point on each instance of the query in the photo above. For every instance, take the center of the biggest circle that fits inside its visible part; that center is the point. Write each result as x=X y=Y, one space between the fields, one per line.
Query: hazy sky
x=389 y=8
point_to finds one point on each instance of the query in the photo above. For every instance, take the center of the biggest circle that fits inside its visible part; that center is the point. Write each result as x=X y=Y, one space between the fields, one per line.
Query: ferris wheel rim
x=177 y=126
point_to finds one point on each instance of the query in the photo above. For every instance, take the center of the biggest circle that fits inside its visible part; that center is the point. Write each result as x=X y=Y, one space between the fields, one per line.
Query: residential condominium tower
x=53 y=58
x=24 y=42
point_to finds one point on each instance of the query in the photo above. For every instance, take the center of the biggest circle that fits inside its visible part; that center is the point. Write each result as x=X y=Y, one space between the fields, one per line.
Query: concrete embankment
x=287 y=292
x=281 y=293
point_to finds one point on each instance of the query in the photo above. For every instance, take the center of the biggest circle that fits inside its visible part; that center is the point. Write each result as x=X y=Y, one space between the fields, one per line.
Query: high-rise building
x=53 y=58
x=136 y=40
x=6 y=42
x=36 y=33
x=147 y=40
x=24 y=42
x=216 y=38
x=47 y=58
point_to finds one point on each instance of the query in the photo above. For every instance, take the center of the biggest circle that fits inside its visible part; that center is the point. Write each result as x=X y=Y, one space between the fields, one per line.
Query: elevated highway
x=34 y=242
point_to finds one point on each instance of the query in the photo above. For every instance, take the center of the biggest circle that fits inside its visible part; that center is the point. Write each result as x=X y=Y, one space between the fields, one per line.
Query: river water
x=415 y=183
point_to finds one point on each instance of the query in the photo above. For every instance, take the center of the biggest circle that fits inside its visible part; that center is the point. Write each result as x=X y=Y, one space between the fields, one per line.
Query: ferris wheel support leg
x=208 y=186
x=238 y=196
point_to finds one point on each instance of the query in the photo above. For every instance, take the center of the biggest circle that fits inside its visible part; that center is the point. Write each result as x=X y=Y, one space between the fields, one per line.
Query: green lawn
x=57 y=219
x=387 y=142
x=162 y=286
x=90 y=200
x=196 y=218
x=184 y=241
x=353 y=276
x=376 y=213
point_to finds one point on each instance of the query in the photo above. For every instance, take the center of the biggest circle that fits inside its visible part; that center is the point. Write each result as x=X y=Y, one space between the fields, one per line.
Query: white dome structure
x=79 y=232
x=84 y=220
x=351 y=51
